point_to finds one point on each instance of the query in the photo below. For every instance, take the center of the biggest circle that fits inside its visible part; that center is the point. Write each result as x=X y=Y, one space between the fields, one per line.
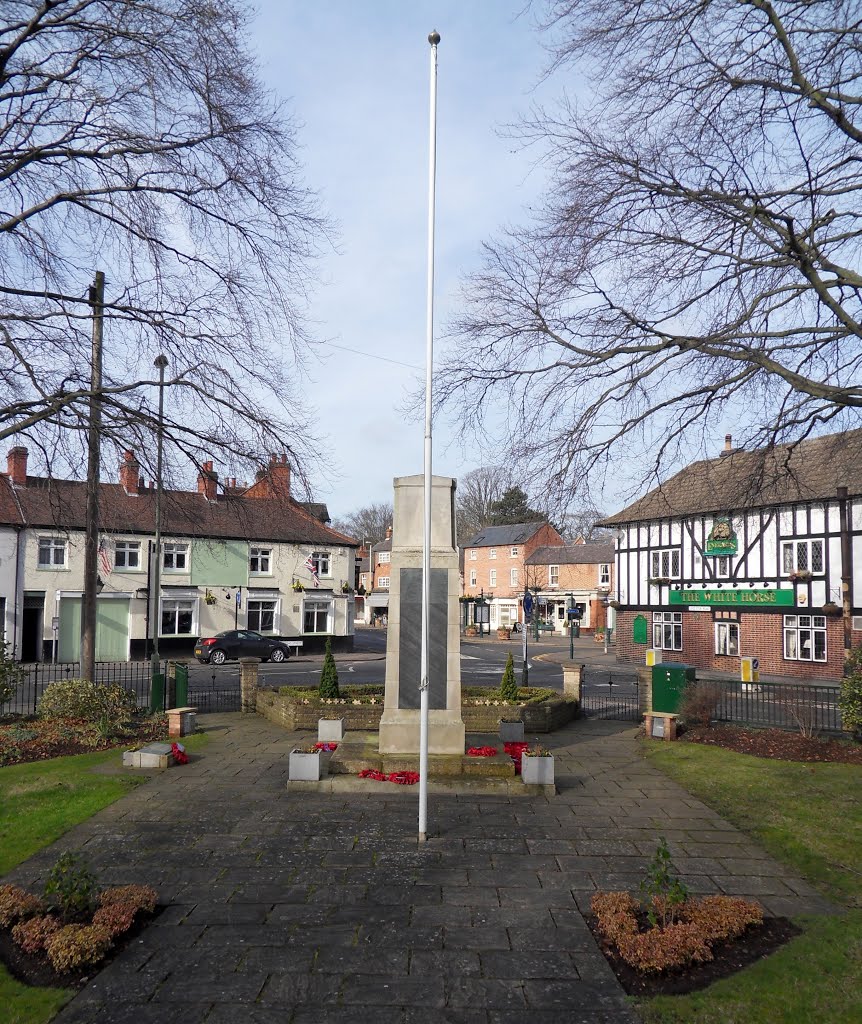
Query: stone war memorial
x=399 y=725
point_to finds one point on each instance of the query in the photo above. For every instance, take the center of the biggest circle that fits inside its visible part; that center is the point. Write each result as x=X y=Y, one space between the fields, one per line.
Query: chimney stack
x=728 y=446
x=130 y=472
x=16 y=465
x=389 y=533
x=208 y=482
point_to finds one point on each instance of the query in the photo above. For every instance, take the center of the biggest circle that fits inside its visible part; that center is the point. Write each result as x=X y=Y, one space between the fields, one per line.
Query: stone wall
x=286 y=712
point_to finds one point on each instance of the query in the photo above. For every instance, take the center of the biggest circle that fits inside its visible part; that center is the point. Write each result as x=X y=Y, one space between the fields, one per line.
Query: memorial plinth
x=399 y=726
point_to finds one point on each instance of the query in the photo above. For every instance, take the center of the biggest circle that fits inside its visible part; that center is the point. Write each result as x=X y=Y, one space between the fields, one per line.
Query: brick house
x=231 y=557
x=579 y=574
x=377 y=601
x=494 y=566
x=755 y=553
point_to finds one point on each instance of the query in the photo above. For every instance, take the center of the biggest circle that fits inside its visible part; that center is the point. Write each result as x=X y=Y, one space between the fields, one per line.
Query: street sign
x=528 y=604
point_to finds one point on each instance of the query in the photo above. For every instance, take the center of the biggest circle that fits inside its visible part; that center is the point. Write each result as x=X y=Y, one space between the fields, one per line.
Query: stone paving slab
x=310 y=907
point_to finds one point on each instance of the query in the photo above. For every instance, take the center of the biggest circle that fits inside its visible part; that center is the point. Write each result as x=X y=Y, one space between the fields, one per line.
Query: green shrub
x=328 y=688
x=850 y=699
x=508 y=686
x=663 y=893
x=16 y=904
x=79 y=698
x=71 y=887
x=77 y=945
x=11 y=674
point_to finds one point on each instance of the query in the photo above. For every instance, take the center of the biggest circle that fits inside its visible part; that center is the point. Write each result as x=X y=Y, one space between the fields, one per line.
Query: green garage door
x=112 y=629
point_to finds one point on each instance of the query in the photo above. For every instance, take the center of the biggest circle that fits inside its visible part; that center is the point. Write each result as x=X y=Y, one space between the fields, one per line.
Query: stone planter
x=504 y=634
x=304 y=767
x=330 y=730
x=512 y=732
x=537 y=771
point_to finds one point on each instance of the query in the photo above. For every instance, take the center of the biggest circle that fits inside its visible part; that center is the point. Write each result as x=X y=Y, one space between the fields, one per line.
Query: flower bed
x=25 y=739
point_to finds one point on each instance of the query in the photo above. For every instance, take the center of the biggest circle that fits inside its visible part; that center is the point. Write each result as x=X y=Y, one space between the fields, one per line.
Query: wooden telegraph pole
x=91 y=541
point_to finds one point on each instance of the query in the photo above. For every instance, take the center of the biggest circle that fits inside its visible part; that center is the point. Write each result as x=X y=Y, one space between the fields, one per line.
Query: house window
x=175 y=557
x=802 y=556
x=320 y=561
x=492 y=553
x=513 y=577
x=513 y=552
x=492 y=578
x=177 y=617
x=472 y=554
x=508 y=614
x=473 y=577
x=667 y=631
x=385 y=556
x=805 y=637
x=727 y=638
x=553 y=575
x=52 y=552
x=665 y=564
x=259 y=562
x=261 y=616
x=316 y=616
x=127 y=554
x=604 y=574
x=383 y=581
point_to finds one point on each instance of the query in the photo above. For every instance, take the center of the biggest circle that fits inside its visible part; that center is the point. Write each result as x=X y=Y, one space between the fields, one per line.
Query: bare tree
x=368 y=523
x=477 y=493
x=136 y=139
x=695 y=265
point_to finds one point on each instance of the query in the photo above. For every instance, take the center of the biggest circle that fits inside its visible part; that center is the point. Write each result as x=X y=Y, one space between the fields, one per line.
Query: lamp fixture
x=227 y=595
x=736 y=584
x=752 y=584
x=719 y=585
x=765 y=584
x=704 y=586
x=688 y=585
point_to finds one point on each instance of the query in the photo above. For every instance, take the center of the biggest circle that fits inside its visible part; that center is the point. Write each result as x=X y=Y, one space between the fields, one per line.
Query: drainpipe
x=846 y=570
x=18 y=606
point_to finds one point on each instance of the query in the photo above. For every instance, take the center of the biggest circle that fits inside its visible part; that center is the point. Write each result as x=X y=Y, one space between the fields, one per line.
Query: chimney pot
x=728 y=442
x=208 y=482
x=130 y=472
x=16 y=465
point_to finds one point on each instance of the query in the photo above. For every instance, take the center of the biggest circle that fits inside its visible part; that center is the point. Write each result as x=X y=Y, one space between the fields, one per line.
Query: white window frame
x=492 y=553
x=474 y=574
x=125 y=548
x=795 y=642
x=328 y=606
x=513 y=552
x=175 y=548
x=276 y=614
x=492 y=577
x=52 y=545
x=666 y=563
x=553 y=575
x=322 y=561
x=667 y=631
x=263 y=559
x=472 y=554
x=727 y=638
x=791 y=550
x=384 y=557
x=513 y=577
x=383 y=581
x=604 y=574
x=507 y=613
x=192 y=602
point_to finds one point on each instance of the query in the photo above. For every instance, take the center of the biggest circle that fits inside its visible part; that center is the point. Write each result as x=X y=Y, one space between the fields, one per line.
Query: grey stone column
x=573 y=679
x=248 y=668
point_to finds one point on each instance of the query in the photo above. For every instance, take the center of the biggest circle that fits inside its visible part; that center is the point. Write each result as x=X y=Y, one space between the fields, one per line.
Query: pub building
x=753 y=554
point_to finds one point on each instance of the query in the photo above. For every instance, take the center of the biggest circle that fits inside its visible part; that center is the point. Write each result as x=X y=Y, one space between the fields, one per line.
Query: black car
x=240 y=643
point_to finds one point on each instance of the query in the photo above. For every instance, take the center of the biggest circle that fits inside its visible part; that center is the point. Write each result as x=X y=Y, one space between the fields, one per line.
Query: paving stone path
x=304 y=909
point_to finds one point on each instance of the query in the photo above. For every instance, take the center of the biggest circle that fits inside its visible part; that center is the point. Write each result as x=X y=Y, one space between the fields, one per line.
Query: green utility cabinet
x=669 y=680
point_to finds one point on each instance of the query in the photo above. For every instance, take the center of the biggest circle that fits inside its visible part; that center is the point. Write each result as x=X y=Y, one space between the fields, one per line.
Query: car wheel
x=277 y=655
x=218 y=658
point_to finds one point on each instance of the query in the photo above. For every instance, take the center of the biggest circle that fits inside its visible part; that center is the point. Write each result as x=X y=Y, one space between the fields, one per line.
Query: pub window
x=320 y=561
x=805 y=637
x=261 y=616
x=667 y=631
x=665 y=564
x=727 y=638
x=127 y=554
x=259 y=560
x=802 y=556
x=317 y=616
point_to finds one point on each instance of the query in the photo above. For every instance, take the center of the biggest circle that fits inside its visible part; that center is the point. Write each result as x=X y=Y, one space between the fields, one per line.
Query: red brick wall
x=760 y=636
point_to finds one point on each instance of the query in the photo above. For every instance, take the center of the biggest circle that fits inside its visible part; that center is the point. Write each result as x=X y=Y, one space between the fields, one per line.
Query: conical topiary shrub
x=329 y=676
x=508 y=686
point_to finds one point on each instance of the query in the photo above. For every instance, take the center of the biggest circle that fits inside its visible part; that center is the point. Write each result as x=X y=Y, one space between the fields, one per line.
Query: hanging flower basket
x=297 y=587
x=659 y=581
x=831 y=608
x=801 y=576
x=613 y=604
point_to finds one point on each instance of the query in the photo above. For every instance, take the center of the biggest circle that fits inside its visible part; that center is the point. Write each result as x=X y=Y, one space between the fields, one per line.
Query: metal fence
x=134 y=676
x=808 y=706
x=220 y=693
x=624 y=707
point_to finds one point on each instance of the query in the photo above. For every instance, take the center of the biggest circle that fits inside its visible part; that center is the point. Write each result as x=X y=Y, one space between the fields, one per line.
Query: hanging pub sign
x=722 y=538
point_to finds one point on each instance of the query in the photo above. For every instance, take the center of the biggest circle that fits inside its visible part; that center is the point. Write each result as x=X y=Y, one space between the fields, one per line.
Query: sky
x=356 y=76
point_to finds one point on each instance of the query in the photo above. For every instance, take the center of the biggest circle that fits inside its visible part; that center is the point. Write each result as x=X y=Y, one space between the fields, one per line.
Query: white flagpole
x=433 y=39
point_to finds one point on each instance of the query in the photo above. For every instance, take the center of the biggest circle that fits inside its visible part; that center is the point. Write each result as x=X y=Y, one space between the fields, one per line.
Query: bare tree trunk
x=91 y=541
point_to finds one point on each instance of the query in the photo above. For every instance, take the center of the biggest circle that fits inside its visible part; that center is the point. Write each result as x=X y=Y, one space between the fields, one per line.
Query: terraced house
x=752 y=554
x=247 y=556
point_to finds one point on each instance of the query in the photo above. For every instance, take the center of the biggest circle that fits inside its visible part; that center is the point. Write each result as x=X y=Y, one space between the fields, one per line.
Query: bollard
x=182 y=685
x=157 y=693
x=248 y=684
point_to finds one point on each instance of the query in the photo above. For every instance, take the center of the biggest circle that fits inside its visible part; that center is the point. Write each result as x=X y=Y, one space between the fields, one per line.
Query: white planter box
x=304 y=767
x=512 y=732
x=537 y=771
x=330 y=730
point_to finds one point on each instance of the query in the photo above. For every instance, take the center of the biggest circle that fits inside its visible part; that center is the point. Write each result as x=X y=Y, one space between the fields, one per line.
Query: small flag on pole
x=104 y=557
x=311 y=565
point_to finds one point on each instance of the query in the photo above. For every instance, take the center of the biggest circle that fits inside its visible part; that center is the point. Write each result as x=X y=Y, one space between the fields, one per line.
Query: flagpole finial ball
x=434 y=38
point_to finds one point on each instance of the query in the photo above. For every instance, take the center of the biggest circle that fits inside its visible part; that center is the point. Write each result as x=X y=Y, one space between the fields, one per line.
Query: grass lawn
x=39 y=802
x=809 y=817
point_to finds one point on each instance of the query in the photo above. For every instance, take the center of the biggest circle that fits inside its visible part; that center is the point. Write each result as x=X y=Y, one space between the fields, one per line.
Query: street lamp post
x=160 y=363
x=569 y=609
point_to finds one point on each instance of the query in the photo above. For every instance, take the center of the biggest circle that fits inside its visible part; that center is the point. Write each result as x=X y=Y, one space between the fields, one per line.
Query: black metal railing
x=134 y=676
x=810 y=707
x=620 y=706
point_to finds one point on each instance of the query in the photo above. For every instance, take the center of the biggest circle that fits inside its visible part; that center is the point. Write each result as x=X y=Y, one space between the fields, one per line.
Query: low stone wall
x=287 y=712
